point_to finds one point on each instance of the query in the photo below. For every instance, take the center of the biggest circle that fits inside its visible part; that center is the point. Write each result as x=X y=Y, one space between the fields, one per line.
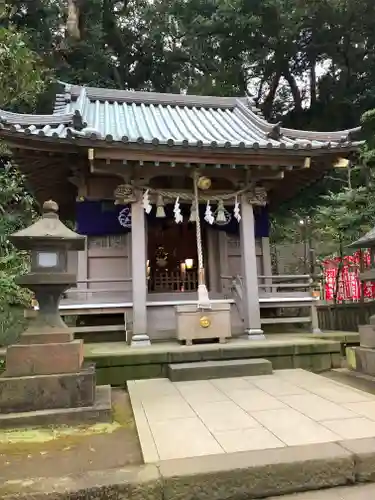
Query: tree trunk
x=268 y=102
x=294 y=89
x=312 y=83
x=339 y=271
x=72 y=23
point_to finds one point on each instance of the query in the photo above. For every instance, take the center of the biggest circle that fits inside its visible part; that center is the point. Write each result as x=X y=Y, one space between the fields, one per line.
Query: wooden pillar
x=251 y=308
x=139 y=277
x=266 y=264
x=223 y=261
x=212 y=260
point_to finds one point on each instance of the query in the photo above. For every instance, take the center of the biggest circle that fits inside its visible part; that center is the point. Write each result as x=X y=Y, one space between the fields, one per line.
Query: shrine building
x=173 y=193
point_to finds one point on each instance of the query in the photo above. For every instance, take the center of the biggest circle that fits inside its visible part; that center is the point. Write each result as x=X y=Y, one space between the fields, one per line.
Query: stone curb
x=235 y=476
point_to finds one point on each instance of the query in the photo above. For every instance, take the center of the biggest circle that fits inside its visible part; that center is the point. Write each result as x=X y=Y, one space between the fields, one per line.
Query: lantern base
x=99 y=412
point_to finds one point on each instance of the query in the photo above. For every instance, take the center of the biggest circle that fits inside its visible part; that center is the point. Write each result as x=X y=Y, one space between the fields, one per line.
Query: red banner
x=347 y=285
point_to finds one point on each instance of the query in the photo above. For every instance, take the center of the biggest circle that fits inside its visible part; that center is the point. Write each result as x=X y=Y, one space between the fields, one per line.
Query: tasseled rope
x=203 y=298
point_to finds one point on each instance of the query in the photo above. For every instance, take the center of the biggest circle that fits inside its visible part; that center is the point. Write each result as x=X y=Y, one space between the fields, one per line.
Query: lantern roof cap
x=48 y=230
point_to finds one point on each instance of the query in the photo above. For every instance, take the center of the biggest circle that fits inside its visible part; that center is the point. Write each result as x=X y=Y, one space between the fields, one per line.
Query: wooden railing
x=277 y=283
x=281 y=300
x=345 y=317
x=287 y=282
x=90 y=292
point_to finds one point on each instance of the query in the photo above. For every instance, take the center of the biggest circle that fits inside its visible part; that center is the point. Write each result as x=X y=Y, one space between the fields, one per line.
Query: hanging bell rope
x=203 y=298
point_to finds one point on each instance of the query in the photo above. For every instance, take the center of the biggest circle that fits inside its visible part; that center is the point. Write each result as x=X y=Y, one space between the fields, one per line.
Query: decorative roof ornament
x=275 y=133
x=258 y=196
x=124 y=194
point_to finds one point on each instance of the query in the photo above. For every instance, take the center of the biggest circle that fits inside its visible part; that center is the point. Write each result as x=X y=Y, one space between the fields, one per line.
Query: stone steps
x=204 y=370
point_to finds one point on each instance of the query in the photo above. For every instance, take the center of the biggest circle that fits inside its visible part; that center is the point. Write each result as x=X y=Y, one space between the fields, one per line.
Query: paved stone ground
x=288 y=408
x=362 y=492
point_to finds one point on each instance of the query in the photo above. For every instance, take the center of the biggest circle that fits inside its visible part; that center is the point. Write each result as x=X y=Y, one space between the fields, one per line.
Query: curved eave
x=309 y=135
x=367 y=241
x=8 y=118
x=32 y=134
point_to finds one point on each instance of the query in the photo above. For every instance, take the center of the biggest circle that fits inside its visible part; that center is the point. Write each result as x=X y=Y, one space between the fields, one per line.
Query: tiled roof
x=165 y=119
x=368 y=240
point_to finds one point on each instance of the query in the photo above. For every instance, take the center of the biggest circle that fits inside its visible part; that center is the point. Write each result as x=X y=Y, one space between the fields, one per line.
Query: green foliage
x=16 y=211
x=310 y=63
x=21 y=75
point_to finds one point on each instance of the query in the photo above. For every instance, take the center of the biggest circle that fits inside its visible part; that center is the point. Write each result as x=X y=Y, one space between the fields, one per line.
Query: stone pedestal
x=367 y=336
x=362 y=359
x=46 y=382
x=194 y=324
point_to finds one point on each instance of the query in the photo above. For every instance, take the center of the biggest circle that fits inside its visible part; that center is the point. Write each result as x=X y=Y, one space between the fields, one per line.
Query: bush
x=12 y=324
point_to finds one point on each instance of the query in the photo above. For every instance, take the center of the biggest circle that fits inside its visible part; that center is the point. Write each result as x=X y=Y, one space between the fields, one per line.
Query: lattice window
x=233 y=242
x=109 y=241
x=173 y=281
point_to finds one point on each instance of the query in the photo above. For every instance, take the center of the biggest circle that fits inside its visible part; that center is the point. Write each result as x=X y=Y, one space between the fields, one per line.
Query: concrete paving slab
x=337 y=394
x=224 y=416
x=317 y=408
x=366 y=409
x=281 y=387
x=352 y=428
x=230 y=384
x=255 y=400
x=167 y=408
x=288 y=408
x=198 y=392
x=247 y=439
x=182 y=438
x=294 y=428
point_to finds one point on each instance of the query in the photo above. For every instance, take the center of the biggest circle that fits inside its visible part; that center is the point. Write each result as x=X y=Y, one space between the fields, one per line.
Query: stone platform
x=178 y=372
x=117 y=362
x=289 y=408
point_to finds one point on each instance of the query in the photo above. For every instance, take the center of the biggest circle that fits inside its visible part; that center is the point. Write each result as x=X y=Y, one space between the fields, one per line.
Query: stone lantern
x=46 y=380
x=48 y=241
x=362 y=358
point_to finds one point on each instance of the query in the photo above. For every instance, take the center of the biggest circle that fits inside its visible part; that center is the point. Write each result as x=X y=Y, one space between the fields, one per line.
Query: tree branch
x=268 y=102
x=294 y=89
